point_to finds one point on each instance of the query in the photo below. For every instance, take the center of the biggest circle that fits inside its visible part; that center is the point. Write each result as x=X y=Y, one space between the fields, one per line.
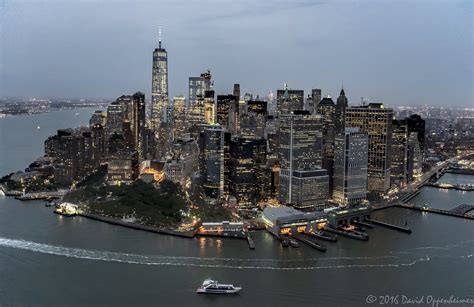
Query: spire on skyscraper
x=159 y=37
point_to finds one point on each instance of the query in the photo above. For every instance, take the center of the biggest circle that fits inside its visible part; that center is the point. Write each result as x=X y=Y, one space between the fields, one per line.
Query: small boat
x=293 y=243
x=214 y=287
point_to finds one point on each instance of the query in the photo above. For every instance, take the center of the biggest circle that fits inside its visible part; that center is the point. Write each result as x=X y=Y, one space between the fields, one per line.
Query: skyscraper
x=303 y=183
x=209 y=108
x=398 y=171
x=289 y=100
x=376 y=121
x=179 y=116
x=159 y=86
x=245 y=158
x=341 y=105
x=138 y=123
x=350 y=167
x=254 y=121
x=227 y=112
x=326 y=109
x=211 y=161
x=197 y=90
x=416 y=124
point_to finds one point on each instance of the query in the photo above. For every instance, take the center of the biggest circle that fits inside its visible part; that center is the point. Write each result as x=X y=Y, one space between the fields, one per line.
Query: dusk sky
x=396 y=52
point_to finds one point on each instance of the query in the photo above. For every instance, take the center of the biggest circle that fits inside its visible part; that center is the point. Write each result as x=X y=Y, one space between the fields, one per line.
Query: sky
x=396 y=52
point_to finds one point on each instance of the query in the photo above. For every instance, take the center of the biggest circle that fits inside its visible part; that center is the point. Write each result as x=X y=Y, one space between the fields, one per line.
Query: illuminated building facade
x=159 y=87
x=376 y=121
x=350 y=167
x=398 y=171
x=300 y=155
x=209 y=108
x=179 y=116
x=289 y=100
x=211 y=161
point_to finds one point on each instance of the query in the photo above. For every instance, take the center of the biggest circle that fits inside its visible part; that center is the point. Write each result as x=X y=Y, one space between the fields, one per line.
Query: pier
x=380 y=223
x=448 y=186
x=308 y=241
x=250 y=242
x=459 y=211
x=347 y=234
x=322 y=236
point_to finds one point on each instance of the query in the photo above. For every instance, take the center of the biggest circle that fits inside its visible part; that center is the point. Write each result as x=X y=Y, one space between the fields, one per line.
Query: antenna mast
x=159 y=37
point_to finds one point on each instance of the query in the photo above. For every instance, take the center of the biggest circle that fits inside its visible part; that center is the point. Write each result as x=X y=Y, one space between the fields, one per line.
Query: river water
x=49 y=260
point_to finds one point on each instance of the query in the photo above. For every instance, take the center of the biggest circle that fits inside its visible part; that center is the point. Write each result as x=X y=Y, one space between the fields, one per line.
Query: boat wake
x=396 y=260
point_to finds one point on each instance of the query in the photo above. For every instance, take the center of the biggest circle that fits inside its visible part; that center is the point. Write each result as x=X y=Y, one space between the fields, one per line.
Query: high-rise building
x=303 y=183
x=227 y=114
x=398 y=171
x=138 y=123
x=314 y=101
x=253 y=122
x=114 y=119
x=350 y=167
x=159 y=86
x=376 y=121
x=209 y=108
x=326 y=108
x=246 y=156
x=211 y=161
x=197 y=91
x=179 y=116
x=289 y=100
x=414 y=158
x=341 y=105
x=236 y=91
x=416 y=124
x=198 y=86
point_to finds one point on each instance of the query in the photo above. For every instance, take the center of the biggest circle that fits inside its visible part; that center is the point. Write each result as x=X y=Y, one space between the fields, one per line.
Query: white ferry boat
x=213 y=286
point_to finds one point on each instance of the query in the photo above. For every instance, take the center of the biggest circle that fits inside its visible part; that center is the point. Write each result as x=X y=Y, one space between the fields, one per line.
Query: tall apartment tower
x=303 y=184
x=376 y=121
x=350 y=167
x=159 y=87
x=138 y=123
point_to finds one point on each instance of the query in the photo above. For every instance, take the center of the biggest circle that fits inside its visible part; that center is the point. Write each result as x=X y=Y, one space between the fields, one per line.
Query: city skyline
x=256 y=68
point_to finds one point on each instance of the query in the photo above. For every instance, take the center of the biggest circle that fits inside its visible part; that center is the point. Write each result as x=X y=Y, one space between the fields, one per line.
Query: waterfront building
x=289 y=100
x=303 y=183
x=416 y=124
x=350 y=167
x=246 y=157
x=375 y=120
x=159 y=86
x=399 y=167
x=414 y=158
x=287 y=220
x=211 y=161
